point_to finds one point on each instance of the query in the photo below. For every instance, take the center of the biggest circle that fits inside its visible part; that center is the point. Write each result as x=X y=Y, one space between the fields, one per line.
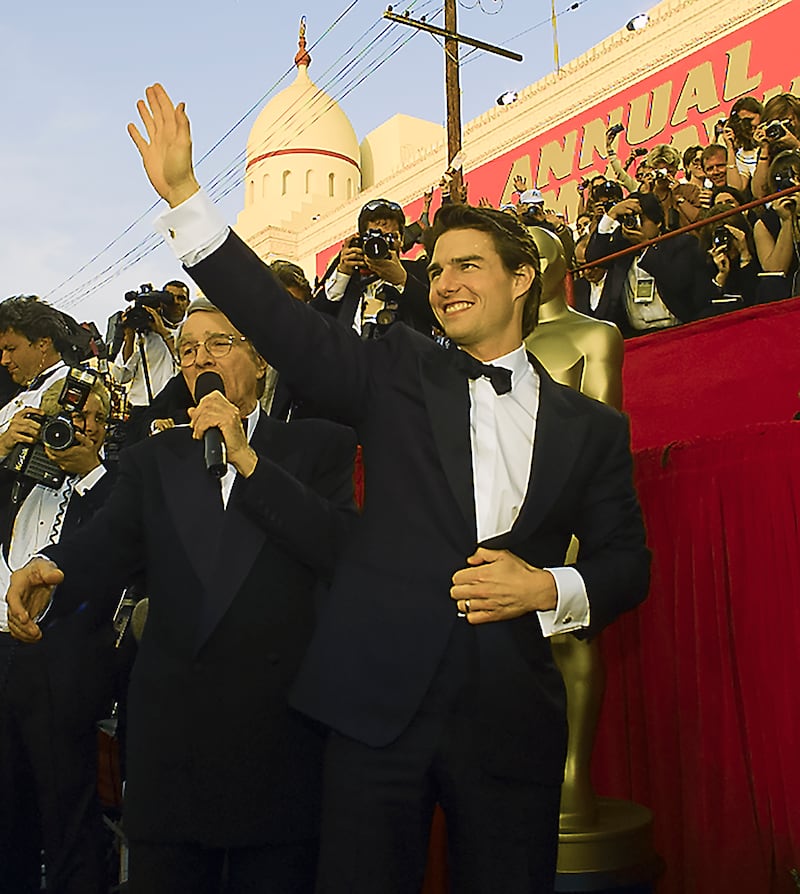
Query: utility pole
x=452 y=39
x=452 y=86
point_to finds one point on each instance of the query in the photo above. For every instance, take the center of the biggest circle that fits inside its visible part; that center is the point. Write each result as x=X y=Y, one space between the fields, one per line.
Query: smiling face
x=477 y=301
x=241 y=368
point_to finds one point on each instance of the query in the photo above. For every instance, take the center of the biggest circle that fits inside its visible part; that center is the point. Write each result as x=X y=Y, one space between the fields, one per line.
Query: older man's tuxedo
x=215 y=755
x=389 y=623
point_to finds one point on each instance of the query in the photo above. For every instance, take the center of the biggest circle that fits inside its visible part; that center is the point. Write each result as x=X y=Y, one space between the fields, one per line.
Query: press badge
x=645 y=288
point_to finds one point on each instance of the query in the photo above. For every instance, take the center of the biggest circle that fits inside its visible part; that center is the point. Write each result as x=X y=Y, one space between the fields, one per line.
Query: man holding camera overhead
x=368 y=287
x=146 y=360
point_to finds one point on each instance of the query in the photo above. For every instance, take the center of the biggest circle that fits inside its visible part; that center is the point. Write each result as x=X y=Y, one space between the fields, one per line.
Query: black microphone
x=216 y=455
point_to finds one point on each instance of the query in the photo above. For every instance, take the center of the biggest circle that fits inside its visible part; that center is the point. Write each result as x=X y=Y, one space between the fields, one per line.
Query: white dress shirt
x=502 y=427
x=161 y=367
x=32 y=396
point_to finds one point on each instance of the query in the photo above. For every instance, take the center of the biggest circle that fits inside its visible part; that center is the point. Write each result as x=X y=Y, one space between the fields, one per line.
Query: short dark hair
x=747 y=104
x=381 y=209
x=29 y=316
x=177 y=284
x=512 y=242
x=737 y=194
x=712 y=150
x=689 y=154
x=291 y=275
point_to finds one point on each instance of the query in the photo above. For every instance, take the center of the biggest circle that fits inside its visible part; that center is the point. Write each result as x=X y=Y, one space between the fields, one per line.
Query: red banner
x=679 y=104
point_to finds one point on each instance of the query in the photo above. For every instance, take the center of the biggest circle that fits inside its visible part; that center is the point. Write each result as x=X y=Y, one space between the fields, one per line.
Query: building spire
x=302 y=57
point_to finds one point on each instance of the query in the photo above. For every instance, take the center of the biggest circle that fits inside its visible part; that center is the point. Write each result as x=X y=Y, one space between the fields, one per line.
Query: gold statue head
x=553 y=263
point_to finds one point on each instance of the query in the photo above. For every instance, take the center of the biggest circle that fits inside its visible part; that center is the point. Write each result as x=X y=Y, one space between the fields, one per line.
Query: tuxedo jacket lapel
x=446 y=394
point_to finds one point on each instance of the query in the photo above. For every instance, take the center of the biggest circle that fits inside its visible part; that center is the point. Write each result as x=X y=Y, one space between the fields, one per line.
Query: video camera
x=57 y=432
x=137 y=318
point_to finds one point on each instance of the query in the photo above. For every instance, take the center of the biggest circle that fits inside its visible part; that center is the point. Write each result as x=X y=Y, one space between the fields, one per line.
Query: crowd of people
x=283 y=627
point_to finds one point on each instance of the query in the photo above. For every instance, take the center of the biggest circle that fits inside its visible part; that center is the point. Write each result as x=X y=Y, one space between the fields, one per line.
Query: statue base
x=614 y=854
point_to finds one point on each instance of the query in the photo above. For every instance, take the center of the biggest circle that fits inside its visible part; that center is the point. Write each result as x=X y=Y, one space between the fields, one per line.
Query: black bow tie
x=499 y=376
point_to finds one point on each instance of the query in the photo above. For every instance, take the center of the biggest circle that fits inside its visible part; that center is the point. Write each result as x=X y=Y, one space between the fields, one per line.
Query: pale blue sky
x=71 y=73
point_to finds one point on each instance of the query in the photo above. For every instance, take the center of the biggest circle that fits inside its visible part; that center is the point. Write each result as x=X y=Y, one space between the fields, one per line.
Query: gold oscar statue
x=596 y=835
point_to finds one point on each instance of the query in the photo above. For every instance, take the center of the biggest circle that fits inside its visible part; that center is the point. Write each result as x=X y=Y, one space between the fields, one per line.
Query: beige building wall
x=402 y=168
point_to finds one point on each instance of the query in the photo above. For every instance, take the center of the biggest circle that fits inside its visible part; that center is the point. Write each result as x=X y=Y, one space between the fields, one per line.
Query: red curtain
x=702 y=715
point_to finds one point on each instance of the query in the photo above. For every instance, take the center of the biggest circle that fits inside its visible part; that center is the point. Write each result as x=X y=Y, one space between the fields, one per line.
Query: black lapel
x=240 y=540
x=446 y=393
x=193 y=501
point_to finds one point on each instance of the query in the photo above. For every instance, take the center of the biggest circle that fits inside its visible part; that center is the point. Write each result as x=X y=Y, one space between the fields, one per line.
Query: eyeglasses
x=217 y=346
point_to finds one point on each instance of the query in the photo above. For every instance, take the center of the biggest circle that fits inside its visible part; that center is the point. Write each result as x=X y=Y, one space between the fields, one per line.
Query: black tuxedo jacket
x=675 y=265
x=384 y=629
x=215 y=755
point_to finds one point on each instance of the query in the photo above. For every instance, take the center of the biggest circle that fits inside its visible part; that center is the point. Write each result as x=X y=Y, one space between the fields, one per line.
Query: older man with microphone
x=234 y=537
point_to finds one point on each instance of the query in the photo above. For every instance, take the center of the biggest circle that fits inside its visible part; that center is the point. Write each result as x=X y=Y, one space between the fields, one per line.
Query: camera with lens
x=775 y=130
x=57 y=432
x=376 y=245
x=721 y=237
x=632 y=221
x=606 y=194
x=533 y=213
x=137 y=318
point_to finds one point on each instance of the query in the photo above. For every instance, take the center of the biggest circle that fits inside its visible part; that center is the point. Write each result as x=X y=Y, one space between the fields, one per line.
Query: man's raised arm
x=167 y=150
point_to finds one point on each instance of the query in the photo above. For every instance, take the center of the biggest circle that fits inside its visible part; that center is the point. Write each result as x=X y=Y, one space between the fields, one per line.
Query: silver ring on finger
x=466 y=606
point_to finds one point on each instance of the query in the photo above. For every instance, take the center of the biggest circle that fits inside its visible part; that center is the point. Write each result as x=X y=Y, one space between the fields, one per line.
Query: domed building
x=303 y=161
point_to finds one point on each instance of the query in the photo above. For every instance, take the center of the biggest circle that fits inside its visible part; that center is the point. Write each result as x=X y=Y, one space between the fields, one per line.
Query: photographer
x=368 y=287
x=52 y=694
x=532 y=213
x=737 y=135
x=146 y=360
x=731 y=265
x=657 y=288
x=777 y=233
x=780 y=131
x=33 y=337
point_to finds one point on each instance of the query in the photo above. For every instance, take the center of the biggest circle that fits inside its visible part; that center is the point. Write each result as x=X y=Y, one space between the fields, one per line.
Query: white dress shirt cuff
x=572 y=609
x=335 y=285
x=194 y=229
x=85 y=484
x=607 y=225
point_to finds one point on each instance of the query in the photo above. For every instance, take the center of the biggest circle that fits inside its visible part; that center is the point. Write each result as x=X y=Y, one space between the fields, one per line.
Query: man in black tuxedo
x=222 y=774
x=430 y=661
x=53 y=693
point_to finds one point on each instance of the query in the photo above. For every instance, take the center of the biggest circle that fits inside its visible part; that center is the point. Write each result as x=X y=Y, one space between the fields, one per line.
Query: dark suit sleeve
x=613 y=558
x=678 y=269
x=311 y=521
x=109 y=546
x=321 y=361
x=602 y=244
x=416 y=308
